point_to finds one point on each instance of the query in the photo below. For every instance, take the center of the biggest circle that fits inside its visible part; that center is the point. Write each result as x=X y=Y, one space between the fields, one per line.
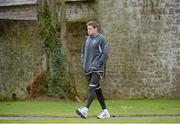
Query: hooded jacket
x=94 y=53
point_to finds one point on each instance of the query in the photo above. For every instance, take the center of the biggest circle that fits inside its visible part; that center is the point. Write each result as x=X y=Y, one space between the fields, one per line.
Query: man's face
x=91 y=31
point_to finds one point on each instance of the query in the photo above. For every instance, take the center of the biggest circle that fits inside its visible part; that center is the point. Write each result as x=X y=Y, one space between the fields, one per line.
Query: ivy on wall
x=50 y=32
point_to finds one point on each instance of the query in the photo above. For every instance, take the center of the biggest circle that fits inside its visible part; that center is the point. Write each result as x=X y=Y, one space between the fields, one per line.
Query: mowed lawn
x=117 y=108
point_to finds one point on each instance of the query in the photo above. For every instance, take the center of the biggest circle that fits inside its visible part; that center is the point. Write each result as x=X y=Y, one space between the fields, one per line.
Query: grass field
x=116 y=107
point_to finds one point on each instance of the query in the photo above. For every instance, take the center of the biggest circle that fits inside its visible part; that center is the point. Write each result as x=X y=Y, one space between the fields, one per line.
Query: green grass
x=116 y=107
x=67 y=109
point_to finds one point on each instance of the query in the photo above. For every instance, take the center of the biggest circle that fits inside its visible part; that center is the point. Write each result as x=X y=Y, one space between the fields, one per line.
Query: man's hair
x=93 y=23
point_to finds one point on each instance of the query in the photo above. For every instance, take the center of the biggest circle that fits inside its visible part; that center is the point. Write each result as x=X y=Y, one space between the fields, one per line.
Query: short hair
x=93 y=23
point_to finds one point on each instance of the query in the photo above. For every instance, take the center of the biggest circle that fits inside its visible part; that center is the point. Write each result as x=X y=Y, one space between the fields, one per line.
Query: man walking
x=94 y=54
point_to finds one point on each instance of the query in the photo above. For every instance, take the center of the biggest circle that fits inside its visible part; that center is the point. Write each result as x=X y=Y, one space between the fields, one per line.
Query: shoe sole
x=79 y=113
x=103 y=118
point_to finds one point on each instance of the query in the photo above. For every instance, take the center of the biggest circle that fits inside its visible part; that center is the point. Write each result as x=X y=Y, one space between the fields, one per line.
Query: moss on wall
x=20 y=57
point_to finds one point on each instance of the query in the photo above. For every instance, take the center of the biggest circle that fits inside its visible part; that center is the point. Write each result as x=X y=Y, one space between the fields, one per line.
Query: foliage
x=50 y=32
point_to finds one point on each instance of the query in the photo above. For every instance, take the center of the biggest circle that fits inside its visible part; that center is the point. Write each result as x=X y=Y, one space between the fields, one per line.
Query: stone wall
x=144 y=46
x=79 y=10
x=18 y=9
x=21 y=57
x=143 y=36
x=21 y=49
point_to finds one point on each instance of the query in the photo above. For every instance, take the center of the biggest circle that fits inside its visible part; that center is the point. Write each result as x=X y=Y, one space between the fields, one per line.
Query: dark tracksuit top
x=94 y=54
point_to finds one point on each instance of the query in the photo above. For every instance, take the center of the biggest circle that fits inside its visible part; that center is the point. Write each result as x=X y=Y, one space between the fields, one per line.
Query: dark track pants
x=95 y=89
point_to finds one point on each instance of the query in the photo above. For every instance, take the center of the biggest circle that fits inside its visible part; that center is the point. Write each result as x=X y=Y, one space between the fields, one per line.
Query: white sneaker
x=82 y=112
x=104 y=114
